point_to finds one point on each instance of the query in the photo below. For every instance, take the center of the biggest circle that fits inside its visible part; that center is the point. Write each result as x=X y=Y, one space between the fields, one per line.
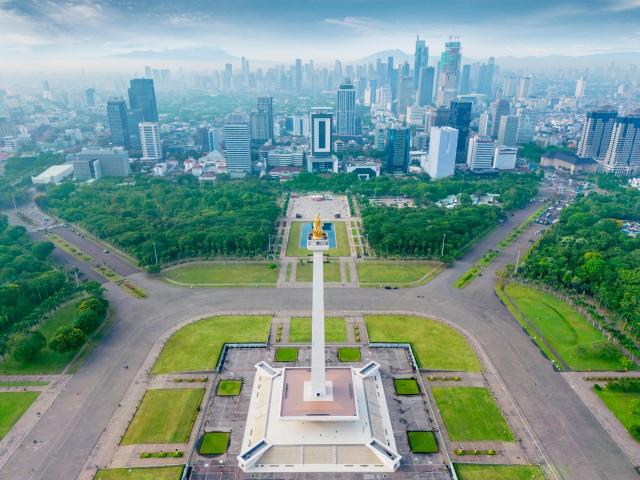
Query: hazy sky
x=72 y=33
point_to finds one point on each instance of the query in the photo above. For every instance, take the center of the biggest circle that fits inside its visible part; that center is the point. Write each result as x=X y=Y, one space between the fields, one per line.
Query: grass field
x=342 y=241
x=406 y=386
x=197 y=346
x=498 y=472
x=214 y=443
x=12 y=407
x=229 y=388
x=286 y=354
x=422 y=442
x=304 y=272
x=349 y=354
x=46 y=361
x=471 y=414
x=435 y=345
x=566 y=331
x=398 y=274
x=335 y=330
x=223 y=274
x=620 y=405
x=164 y=416
x=148 y=473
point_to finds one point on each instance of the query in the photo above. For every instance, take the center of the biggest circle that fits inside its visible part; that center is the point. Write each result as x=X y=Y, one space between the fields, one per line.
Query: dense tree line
x=184 y=218
x=587 y=251
x=19 y=168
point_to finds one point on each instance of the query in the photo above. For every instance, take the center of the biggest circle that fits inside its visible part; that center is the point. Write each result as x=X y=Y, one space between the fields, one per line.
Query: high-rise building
x=405 y=95
x=420 y=61
x=525 y=87
x=485 y=79
x=134 y=118
x=227 y=77
x=442 y=152
x=90 y=97
x=501 y=108
x=440 y=117
x=480 y=156
x=504 y=158
x=150 y=141
x=465 y=79
x=265 y=107
x=261 y=121
x=460 y=119
x=510 y=87
x=623 y=154
x=596 y=134
x=142 y=96
x=205 y=139
x=298 y=75
x=321 y=158
x=380 y=137
x=346 y=109
x=99 y=162
x=508 y=131
x=526 y=126
x=118 y=122
x=424 y=95
x=449 y=73
x=484 y=124
x=581 y=85
x=398 y=139
x=237 y=144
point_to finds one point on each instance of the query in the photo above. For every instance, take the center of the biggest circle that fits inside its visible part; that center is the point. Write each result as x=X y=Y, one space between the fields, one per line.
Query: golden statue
x=318 y=234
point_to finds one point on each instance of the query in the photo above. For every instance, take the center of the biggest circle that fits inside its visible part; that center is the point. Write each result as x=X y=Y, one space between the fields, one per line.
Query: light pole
x=155 y=252
x=444 y=235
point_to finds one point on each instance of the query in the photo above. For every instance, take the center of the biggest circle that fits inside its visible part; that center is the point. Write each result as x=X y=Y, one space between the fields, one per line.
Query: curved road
x=577 y=445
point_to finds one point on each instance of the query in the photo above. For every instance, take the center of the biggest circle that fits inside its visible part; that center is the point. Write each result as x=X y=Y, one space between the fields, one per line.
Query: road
x=577 y=445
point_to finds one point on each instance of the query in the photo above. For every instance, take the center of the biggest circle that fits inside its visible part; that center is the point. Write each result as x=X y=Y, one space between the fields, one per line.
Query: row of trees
x=587 y=252
x=182 y=218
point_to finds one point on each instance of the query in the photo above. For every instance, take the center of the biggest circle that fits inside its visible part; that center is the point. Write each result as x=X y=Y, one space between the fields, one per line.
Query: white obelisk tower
x=318 y=242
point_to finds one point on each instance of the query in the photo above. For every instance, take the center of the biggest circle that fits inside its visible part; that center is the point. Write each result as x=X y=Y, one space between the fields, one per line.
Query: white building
x=480 y=154
x=53 y=174
x=581 y=86
x=623 y=155
x=150 y=141
x=301 y=126
x=285 y=157
x=237 y=144
x=525 y=86
x=442 y=152
x=416 y=115
x=504 y=157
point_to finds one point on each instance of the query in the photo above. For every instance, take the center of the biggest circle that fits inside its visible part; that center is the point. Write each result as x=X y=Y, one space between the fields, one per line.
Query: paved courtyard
x=327 y=205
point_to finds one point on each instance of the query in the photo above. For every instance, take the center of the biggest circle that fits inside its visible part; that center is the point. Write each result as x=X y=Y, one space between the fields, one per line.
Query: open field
x=164 y=416
x=46 y=361
x=228 y=388
x=406 y=386
x=304 y=272
x=150 y=473
x=214 y=443
x=422 y=442
x=349 y=354
x=197 y=346
x=335 y=330
x=435 y=345
x=578 y=343
x=620 y=405
x=399 y=274
x=223 y=274
x=498 y=472
x=471 y=414
x=286 y=354
x=12 y=407
x=342 y=241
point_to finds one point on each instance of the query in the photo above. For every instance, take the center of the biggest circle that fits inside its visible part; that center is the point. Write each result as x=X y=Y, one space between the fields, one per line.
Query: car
x=105 y=251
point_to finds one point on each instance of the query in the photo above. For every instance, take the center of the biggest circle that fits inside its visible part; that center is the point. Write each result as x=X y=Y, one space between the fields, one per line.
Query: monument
x=318 y=418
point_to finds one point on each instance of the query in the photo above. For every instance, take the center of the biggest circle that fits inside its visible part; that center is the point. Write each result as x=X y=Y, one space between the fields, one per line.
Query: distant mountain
x=398 y=57
x=567 y=62
x=209 y=55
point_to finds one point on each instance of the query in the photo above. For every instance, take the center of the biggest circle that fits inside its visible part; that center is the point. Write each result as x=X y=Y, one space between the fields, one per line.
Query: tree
x=26 y=345
x=88 y=321
x=67 y=339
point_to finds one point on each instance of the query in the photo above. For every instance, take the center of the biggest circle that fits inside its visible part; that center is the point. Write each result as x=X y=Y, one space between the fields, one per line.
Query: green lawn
x=406 y=386
x=342 y=241
x=498 y=472
x=422 y=442
x=26 y=383
x=398 y=274
x=164 y=416
x=143 y=473
x=197 y=346
x=229 y=388
x=567 y=332
x=349 y=354
x=335 y=330
x=435 y=345
x=46 y=361
x=214 y=443
x=471 y=414
x=620 y=405
x=286 y=354
x=223 y=274
x=12 y=407
x=304 y=272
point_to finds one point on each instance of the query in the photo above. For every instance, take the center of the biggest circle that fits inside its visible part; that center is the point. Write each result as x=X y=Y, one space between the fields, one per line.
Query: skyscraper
x=623 y=154
x=346 y=109
x=405 y=95
x=525 y=87
x=449 y=73
x=261 y=121
x=596 y=134
x=442 y=152
x=298 y=75
x=581 y=85
x=142 y=96
x=460 y=119
x=501 y=108
x=90 y=97
x=420 y=61
x=425 y=86
x=265 y=107
x=504 y=158
x=480 y=156
x=465 y=79
x=205 y=139
x=398 y=149
x=485 y=80
x=118 y=122
x=237 y=144
x=150 y=141
x=508 y=130
x=321 y=158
